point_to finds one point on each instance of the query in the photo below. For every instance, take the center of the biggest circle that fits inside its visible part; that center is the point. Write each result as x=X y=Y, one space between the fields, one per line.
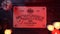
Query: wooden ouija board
x=29 y=17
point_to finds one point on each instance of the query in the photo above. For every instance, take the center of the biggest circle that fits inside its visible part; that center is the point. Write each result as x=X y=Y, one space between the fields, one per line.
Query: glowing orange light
x=50 y=27
x=8 y=31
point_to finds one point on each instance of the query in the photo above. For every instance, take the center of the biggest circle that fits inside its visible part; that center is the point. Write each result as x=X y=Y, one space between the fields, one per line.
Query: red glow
x=29 y=17
x=55 y=31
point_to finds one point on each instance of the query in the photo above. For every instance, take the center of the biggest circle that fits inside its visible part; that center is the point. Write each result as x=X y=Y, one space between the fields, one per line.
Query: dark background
x=53 y=14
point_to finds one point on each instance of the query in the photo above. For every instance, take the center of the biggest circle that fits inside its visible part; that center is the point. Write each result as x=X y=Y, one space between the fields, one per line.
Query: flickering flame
x=56 y=25
x=8 y=31
x=50 y=27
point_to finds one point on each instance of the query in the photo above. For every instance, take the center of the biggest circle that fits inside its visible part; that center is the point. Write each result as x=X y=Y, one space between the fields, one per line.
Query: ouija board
x=29 y=17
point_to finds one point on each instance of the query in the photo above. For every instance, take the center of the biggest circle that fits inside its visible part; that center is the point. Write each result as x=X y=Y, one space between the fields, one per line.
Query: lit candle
x=55 y=31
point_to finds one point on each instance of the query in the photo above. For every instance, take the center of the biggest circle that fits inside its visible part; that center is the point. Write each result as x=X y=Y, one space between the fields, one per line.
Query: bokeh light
x=56 y=25
x=8 y=31
x=50 y=27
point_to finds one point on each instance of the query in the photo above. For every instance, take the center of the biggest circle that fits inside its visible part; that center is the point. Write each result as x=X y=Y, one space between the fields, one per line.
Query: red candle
x=55 y=31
